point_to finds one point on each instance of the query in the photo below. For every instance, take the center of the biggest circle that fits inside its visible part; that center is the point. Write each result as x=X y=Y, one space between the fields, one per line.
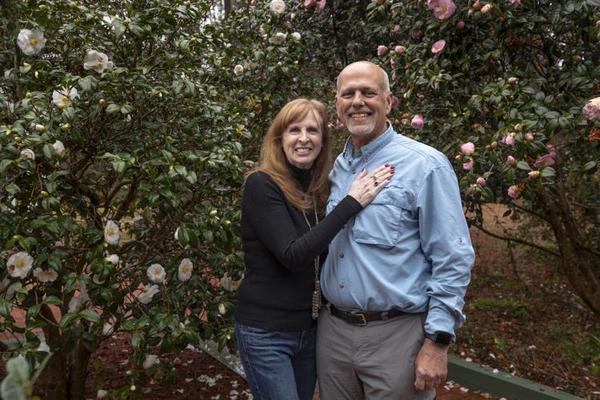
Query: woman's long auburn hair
x=274 y=163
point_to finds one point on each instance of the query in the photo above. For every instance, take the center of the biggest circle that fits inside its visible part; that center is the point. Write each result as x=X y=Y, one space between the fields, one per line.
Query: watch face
x=443 y=338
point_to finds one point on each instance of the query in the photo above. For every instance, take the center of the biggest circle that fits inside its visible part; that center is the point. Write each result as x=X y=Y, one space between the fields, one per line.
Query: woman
x=283 y=237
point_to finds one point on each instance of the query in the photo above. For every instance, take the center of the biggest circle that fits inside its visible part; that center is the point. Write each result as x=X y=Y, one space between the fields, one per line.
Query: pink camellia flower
x=592 y=109
x=395 y=102
x=431 y=4
x=533 y=174
x=460 y=25
x=514 y=192
x=509 y=139
x=529 y=136
x=321 y=5
x=399 y=49
x=468 y=165
x=396 y=29
x=513 y=80
x=310 y=3
x=417 y=122
x=382 y=50
x=545 y=161
x=444 y=9
x=467 y=148
x=438 y=46
x=481 y=181
x=510 y=160
x=513 y=2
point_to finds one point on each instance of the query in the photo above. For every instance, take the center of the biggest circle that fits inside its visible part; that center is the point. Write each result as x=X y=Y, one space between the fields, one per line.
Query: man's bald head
x=384 y=79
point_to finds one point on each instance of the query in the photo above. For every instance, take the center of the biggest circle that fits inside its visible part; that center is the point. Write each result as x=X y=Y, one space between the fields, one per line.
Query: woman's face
x=302 y=141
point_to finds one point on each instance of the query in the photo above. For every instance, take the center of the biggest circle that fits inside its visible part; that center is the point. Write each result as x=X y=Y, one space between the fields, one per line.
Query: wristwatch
x=440 y=337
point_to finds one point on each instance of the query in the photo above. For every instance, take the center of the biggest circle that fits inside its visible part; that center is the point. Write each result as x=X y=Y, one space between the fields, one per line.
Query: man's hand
x=431 y=365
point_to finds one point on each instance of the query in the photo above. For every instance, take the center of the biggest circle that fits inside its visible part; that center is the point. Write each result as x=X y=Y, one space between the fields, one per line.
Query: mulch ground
x=191 y=375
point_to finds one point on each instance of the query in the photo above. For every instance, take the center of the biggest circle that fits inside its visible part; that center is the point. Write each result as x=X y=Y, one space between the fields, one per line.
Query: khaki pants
x=374 y=362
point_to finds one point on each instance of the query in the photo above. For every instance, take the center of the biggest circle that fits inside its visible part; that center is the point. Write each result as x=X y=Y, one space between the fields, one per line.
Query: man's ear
x=389 y=99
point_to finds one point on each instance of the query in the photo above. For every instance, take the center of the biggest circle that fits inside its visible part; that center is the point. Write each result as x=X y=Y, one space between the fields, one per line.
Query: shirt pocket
x=383 y=221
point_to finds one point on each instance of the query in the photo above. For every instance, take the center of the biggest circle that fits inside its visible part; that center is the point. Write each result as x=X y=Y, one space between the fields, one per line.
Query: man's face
x=362 y=102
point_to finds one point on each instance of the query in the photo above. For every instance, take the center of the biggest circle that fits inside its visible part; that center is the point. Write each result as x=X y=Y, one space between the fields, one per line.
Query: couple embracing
x=381 y=236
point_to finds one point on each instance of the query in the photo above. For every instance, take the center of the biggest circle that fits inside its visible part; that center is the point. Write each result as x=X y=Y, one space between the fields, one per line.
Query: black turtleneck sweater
x=280 y=248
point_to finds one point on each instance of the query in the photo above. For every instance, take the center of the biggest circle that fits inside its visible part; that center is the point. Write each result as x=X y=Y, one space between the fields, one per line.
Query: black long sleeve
x=279 y=251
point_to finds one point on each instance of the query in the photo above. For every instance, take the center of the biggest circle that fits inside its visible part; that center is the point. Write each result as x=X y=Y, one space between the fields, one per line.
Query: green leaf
x=33 y=310
x=112 y=108
x=52 y=300
x=4 y=164
x=88 y=83
x=524 y=166
x=590 y=164
x=5 y=308
x=48 y=151
x=90 y=315
x=67 y=319
x=547 y=172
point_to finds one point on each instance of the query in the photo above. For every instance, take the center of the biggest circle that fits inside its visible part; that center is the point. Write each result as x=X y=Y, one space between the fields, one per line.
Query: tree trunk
x=65 y=374
x=579 y=263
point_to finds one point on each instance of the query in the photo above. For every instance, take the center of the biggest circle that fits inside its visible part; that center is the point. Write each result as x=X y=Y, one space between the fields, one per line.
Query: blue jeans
x=278 y=365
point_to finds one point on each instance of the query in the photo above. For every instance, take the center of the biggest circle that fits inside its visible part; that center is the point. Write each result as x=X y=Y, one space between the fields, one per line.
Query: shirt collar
x=370 y=148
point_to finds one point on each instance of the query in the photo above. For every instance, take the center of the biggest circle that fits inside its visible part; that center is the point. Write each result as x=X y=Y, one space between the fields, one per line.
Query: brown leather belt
x=362 y=318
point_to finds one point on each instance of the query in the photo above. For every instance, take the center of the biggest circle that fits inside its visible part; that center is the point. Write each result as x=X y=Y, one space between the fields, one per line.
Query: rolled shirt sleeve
x=446 y=243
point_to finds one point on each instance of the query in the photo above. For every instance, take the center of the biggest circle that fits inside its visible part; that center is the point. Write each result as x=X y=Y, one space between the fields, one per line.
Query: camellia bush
x=120 y=183
x=126 y=129
x=509 y=90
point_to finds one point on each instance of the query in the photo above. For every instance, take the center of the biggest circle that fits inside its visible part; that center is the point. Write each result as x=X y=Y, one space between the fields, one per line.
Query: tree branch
x=516 y=240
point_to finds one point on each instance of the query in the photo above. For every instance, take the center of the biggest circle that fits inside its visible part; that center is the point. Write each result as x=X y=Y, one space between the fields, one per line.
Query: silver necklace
x=316 y=296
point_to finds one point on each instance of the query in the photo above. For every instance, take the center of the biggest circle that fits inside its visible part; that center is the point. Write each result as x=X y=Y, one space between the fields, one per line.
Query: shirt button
x=341 y=285
x=342 y=255
x=353 y=171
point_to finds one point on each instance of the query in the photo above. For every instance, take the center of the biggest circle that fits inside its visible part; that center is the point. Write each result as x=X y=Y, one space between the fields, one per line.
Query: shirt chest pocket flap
x=384 y=220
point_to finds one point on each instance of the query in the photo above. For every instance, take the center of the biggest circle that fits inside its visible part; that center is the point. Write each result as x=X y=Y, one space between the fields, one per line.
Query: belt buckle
x=361 y=315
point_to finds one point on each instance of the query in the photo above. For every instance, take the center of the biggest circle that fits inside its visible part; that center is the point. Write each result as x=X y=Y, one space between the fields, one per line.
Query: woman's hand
x=366 y=186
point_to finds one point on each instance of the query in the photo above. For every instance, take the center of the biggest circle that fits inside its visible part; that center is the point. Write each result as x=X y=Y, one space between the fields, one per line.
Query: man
x=396 y=275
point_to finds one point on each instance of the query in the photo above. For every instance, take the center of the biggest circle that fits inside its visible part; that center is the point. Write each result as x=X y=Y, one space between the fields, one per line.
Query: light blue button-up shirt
x=410 y=248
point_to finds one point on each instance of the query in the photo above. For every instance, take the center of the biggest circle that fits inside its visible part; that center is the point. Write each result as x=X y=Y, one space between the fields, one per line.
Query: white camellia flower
x=19 y=264
x=296 y=36
x=278 y=39
x=96 y=61
x=112 y=233
x=229 y=284
x=112 y=258
x=238 y=70
x=277 y=6
x=184 y=272
x=221 y=308
x=156 y=273
x=147 y=294
x=45 y=276
x=31 y=42
x=28 y=153
x=63 y=97
x=59 y=148
x=150 y=361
